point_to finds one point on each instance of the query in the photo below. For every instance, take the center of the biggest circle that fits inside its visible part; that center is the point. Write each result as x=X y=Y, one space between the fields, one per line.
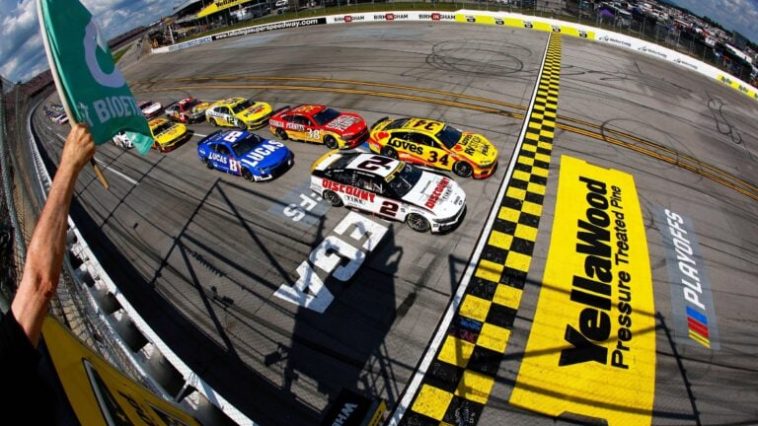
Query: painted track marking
x=457 y=371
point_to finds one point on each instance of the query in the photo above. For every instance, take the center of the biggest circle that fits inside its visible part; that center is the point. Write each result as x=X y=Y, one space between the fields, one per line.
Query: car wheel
x=389 y=152
x=213 y=122
x=247 y=175
x=282 y=134
x=208 y=163
x=462 y=169
x=330 y=142
x=417 y=222
x=332 y=198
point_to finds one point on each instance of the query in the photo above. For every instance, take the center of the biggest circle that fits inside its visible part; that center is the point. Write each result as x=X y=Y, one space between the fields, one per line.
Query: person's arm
x=44 y=258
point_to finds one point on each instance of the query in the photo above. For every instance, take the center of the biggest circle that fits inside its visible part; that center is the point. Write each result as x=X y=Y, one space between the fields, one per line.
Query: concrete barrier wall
x=145 y=349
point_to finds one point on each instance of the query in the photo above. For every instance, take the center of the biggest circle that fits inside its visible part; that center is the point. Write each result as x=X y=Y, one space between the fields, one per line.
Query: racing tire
x=247 y=175
x=213 y=122
x=418 y=223
x=463 y=169
x=332 y=198
x=281 y=134
x=331 y=143
x=208 y=164
x=389 y=152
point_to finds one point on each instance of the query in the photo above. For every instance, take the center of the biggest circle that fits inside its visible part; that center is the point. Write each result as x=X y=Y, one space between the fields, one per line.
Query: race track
x=201 y=253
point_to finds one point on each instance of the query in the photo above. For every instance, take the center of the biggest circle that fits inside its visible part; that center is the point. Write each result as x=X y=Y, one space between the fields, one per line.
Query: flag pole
x=62 y=95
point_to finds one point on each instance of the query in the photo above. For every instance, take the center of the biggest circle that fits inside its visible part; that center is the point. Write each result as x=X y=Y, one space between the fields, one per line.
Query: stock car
x=243 y=153
x=187 y=110
x=238 y=112
x=150 y=109
x=167 y=135
x=435 y=144
x=390 y=188
x=122 y=141
x=319 y=124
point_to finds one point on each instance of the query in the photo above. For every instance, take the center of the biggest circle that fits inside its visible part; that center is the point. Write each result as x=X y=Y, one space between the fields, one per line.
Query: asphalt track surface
x=169 y=229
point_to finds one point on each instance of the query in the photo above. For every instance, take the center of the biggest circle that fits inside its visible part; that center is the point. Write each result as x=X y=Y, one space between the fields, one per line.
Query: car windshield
x=241 y=106
x=243 y=146
x=449 y=136
x=189 y=104
x=326 y=116
x=405 y=179
x=161 y=128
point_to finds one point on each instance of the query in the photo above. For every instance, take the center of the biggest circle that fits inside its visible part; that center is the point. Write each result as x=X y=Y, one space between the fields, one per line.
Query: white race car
x=151 y=109
x=389 y=188
x=122 y=141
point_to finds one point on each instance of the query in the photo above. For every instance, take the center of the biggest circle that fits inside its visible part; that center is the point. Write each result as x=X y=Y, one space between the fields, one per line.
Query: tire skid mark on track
x=569 y=124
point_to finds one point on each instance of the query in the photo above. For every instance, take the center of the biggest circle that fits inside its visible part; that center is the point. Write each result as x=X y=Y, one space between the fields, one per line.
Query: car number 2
x=389 y=208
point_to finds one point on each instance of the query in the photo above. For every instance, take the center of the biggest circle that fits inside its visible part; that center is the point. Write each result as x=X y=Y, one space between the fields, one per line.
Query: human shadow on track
x=345 y=347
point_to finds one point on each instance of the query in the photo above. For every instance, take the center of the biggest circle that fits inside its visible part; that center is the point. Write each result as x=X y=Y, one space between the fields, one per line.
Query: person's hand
x=78 y=149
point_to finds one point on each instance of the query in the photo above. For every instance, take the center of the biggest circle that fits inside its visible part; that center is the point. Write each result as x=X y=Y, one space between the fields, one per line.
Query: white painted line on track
x=431 y=350
x=199 y=135
x=106 y=166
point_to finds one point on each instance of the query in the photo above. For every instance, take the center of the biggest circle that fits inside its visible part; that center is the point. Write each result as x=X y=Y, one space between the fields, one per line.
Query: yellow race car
x=166 y=134
x=238 y=112
x=435 y=144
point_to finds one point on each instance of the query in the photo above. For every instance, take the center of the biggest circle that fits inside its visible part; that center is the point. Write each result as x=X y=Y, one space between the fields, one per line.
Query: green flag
x=91 y=88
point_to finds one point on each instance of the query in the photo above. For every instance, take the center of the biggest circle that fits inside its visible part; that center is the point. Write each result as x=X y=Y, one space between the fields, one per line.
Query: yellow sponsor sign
x=100 y=394
x=591 y=349
x=737 y=86
x=218 y=6
x=575 y=32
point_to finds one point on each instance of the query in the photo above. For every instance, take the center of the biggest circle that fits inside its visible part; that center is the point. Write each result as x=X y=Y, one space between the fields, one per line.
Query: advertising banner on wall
x=100 y=394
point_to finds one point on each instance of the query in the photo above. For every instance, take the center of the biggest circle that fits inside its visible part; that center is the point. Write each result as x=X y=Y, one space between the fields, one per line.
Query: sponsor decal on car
x=406 y=145
x=342 y=122
x=437 y=193
x=358 y=193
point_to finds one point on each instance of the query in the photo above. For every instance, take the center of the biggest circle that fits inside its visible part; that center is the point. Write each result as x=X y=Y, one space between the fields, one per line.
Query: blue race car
x=245 y=154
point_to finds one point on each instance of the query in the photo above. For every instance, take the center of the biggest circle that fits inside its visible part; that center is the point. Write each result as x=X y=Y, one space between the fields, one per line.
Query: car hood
x=268 y=153
x=151 y=108
x=254 y=111
x=200 y=108
x=169 y=135
x=438 y=194
x=346 y=124
x=476 y=148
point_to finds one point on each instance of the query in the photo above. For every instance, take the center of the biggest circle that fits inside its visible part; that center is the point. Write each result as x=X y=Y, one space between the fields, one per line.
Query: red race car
x=319 y=124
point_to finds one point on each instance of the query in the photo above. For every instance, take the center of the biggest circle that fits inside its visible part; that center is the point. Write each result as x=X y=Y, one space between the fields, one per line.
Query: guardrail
x=122 y=320
x=505 y=19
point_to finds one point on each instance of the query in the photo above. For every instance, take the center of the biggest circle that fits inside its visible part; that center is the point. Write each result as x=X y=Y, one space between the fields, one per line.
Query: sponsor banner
x=395 y=16
x=738 y=85
x=100 y=394
x=186 y=44
x=271 y=27
x=220 y=5
x=436 y=16
x=591 y=349
x=691 y=298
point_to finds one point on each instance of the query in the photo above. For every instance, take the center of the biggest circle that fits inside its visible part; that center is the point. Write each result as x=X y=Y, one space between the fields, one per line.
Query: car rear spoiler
x=378 y=121
x=286 y=107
